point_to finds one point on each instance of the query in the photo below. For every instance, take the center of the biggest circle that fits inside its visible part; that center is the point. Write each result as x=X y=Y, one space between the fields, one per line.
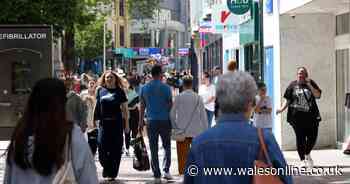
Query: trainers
x=310 y=162
x=157 y=181
x=167 y=176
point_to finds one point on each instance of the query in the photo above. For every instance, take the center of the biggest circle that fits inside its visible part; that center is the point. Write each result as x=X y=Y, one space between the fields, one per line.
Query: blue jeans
x=162 y=128
x=210 y=115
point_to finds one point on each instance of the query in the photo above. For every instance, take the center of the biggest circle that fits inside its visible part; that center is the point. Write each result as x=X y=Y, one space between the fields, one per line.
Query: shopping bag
x=140 y=159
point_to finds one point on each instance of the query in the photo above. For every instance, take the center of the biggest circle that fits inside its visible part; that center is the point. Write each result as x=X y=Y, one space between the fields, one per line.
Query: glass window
x=121 y=8
x=343 y=24
x=121 y=36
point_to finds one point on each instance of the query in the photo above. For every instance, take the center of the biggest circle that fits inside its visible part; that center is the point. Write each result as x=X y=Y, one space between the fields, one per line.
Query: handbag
x=66 y=175
x=260 y=163
x=178 y=134
x=140 y=160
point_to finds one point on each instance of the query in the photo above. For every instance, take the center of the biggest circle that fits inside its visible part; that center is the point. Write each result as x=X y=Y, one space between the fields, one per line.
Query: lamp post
x=104 y=47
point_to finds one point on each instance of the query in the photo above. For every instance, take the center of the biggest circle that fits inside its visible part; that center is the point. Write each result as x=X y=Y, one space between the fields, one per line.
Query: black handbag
x=140 y=161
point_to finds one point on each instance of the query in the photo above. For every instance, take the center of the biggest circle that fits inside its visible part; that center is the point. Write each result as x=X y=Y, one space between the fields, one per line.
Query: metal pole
x=104 y=47
x=261 y=37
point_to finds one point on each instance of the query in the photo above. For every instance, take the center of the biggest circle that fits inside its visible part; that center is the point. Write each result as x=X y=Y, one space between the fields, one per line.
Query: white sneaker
x=157 y=181
x=310 y=162
x=167 y=176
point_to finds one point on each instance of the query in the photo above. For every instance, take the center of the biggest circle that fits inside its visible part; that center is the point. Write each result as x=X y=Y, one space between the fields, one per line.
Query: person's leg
x=153 y=134
x=311 y=138
x=300 y=140
x=182 y=152
x=127 y=141
x=134 y=122
x=210 y=115
x=103 y=152
x=117 y=152
x=165 y=134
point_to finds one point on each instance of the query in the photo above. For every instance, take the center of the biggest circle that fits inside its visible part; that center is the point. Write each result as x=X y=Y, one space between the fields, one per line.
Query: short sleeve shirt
x=157 y=98
x=302 y=103
x=263 y=120
x=110 y=101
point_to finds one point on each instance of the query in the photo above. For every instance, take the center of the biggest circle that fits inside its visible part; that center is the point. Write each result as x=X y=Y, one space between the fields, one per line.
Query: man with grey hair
x=233 y=143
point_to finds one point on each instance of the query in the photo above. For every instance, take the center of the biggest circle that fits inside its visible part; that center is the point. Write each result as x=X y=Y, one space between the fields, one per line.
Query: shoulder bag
x=178 y=134
x=260 y=163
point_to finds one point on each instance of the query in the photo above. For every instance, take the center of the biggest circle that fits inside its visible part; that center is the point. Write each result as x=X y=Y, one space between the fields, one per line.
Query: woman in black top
x=111 y=109
x=303 y=114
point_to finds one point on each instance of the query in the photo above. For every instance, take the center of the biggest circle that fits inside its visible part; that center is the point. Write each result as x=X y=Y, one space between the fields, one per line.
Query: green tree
x=89 y=41
x=142 y=9
x=63 y=15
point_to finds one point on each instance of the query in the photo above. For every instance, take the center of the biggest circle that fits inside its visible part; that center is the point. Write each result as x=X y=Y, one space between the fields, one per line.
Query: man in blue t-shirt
x=156 y=99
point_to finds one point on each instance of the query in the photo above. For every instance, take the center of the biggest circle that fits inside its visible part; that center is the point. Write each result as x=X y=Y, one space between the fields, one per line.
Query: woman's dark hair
x=44 y=118
x=260 y=85
x=206 y=74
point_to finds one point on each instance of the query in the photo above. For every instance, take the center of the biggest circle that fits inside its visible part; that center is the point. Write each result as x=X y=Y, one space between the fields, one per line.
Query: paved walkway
x=322 y=158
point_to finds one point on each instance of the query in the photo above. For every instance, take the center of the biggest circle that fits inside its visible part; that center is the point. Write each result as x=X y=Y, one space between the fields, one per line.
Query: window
x=121 y=8
x=121 y=36
x=343 y=24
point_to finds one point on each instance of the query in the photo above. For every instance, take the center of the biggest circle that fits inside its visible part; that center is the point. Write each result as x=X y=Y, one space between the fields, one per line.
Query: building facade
x=314 y=34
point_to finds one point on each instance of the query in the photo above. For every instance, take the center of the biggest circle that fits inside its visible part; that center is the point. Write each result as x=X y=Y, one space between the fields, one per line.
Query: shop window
x=343 y=23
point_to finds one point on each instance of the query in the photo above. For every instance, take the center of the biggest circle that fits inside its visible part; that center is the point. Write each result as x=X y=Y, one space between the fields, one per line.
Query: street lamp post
x=104 y=47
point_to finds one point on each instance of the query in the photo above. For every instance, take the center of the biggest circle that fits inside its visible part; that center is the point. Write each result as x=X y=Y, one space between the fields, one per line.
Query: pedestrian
x=188 y=116
x=45 y=142
x=231 y=67
x=156 y=99
x=233 y=143
x=89 y=98
x=263 y=109
x=133 y=107
x=111 y=109
x=216 y=74
x=77 y=110
x=303 y=114
x=207 y=92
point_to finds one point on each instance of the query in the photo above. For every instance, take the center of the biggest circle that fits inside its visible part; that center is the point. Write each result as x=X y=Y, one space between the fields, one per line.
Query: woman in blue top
x=111 y=109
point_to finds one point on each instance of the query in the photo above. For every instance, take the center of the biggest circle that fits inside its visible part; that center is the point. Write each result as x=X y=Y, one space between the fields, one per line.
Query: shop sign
x=239 y=7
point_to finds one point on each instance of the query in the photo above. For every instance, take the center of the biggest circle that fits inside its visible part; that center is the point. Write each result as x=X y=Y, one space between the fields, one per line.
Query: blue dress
x=108 y=111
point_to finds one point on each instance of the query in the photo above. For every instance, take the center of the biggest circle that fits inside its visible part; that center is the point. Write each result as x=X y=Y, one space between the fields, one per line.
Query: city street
x=322 y=158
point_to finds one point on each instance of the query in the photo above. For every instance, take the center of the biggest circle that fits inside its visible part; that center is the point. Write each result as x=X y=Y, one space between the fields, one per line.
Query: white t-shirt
x=206 y=92
x=263 y=120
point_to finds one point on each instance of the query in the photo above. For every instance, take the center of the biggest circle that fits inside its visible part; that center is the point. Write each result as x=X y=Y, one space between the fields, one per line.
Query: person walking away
x=207 y=92
x=89 y=97
x=156 y=99
x=45 y=142
x=77 y=110
x=233 y=142
x=263 y=109
x=188 y=115
x=303 y=114
x=111 y=109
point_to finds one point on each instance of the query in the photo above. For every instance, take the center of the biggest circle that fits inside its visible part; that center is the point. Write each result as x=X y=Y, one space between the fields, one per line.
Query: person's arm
x=173 y=112
x=125 y=113
x=97 y=110
x=283 y=108
x=314 y=88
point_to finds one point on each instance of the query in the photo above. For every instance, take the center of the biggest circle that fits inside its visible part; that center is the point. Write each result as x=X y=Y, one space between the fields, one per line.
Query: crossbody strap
x=263 y=147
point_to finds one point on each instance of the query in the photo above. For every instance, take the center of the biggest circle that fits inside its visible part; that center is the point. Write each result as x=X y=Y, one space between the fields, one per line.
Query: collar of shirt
x=232 y=117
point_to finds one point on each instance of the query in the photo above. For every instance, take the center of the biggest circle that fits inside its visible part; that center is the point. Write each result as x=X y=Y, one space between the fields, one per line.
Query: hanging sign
x=239 y=7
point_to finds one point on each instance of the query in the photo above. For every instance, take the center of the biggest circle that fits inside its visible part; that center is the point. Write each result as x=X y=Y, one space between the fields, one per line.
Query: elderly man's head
x=236 y=92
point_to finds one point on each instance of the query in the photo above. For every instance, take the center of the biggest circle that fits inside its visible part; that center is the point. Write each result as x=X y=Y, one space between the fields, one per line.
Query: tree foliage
x=89 y=41
x=142 y=9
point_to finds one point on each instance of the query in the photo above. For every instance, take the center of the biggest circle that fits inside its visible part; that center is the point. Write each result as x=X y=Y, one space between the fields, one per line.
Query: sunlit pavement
x=322 y=159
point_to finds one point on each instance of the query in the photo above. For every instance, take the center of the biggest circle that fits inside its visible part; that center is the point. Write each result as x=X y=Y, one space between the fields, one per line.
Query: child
x=263 y=109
